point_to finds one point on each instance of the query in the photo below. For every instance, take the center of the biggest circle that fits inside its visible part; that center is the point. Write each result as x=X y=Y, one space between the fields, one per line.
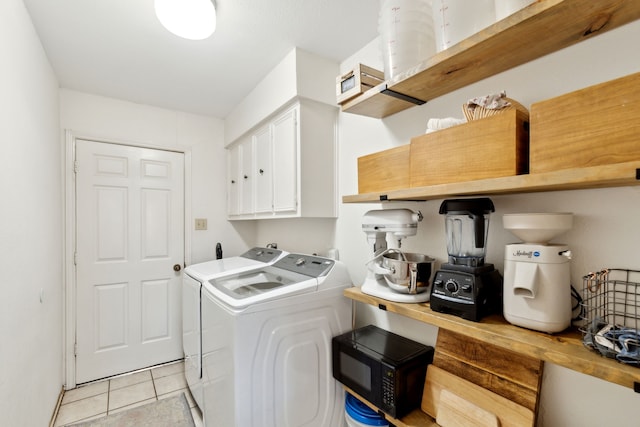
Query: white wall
x=114 y=120
x=299 y=74
x=605 y=233
x=30 y=225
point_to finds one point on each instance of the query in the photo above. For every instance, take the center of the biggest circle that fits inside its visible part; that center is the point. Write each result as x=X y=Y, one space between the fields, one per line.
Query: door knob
x=177 y=267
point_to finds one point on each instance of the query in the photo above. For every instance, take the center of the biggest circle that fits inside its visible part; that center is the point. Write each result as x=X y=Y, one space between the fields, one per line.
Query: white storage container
x=455 y=20
x=406 y=34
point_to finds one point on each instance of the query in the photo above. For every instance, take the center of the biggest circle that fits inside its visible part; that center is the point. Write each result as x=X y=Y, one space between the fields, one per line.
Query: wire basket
x=611 y=311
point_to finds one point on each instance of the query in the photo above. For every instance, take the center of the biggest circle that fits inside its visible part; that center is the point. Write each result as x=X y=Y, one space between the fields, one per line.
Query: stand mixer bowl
x=409 y=273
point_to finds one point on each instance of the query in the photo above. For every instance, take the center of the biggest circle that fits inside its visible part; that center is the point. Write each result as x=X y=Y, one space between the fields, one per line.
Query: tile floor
x=116 y=394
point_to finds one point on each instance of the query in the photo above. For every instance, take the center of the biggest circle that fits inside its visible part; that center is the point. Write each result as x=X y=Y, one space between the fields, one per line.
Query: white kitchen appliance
x=266 y=339
x=192 y=279
x=382 y=226
x=537 y=283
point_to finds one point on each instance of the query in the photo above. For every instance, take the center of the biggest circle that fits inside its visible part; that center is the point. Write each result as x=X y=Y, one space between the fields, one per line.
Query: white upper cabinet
x=285 y=153
x=289 y=161
x=263 y=170
x=233 y=185
x=247 y=176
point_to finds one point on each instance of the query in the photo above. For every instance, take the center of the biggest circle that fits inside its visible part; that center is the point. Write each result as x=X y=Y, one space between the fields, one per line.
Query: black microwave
x=384 y=368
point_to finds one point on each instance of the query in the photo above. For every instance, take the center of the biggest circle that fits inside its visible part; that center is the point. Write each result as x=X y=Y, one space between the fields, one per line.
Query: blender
x=392 y=274
x=466 y=286
x=537 y=283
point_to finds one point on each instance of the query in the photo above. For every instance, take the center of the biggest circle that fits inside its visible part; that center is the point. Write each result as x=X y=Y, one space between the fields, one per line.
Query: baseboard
x=57 y=408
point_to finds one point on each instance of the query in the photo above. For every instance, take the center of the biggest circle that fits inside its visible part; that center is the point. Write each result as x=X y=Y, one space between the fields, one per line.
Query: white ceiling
x=117 y=48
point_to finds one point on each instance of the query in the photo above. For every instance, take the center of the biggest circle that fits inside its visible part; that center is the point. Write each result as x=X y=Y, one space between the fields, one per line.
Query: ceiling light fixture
x=190 y=19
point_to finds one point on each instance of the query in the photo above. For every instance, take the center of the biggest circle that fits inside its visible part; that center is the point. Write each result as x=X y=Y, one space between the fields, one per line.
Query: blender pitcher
x=467 y=226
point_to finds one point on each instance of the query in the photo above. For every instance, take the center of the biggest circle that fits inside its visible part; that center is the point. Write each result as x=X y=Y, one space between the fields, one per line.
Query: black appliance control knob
x=451 y=286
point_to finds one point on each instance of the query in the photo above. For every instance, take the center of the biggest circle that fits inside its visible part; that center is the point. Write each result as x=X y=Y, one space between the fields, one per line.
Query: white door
x=130 y=235
x=285 y=157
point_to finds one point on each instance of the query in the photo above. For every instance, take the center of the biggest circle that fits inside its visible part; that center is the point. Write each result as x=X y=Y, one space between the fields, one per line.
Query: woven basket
x=477 y=112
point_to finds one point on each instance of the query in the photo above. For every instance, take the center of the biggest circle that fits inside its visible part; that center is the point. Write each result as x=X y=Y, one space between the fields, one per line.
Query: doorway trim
x=69 y=232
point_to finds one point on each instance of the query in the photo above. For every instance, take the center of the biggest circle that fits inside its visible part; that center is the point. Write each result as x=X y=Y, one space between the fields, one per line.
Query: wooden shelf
x=614 y=175
x=541 y=28
x=564 y=349
x=416 y=418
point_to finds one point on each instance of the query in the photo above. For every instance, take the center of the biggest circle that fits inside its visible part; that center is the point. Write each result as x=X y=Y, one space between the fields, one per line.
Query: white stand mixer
x=537 y=283
x=396 y=224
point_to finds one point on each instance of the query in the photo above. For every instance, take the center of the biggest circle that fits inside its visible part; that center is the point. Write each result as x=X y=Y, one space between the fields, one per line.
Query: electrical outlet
x=201 y=223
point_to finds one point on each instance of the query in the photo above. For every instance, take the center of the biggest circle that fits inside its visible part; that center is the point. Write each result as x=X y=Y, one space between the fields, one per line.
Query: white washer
x=266 y=337
x=192 y=279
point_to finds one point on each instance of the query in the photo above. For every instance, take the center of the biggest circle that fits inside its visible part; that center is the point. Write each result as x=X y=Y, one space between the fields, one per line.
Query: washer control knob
x=451 y=286
x=300 y=261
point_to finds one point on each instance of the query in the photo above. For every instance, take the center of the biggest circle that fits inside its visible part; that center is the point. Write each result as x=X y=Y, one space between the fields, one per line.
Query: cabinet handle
x=233 y=181
x=245 y=177
x=261 y=171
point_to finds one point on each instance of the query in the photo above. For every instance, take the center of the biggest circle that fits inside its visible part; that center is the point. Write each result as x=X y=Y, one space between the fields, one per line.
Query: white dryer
x=192 y=279
x=266 y=338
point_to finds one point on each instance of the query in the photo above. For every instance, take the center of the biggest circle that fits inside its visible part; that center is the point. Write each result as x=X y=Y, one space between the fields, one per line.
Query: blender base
x=468 y=292
x=374 y=288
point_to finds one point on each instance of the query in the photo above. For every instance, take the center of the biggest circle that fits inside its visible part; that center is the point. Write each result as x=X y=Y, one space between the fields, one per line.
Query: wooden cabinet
x=286 y=167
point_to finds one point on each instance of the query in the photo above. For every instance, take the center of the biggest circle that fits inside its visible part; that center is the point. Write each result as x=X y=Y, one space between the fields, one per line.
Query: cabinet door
x=263 y=170
x=247 y=177
x=285 y=171
x=233 y=184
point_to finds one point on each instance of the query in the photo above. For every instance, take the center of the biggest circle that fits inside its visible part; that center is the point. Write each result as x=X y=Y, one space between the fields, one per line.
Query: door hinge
x=75 y=166
x=75 y=258
x=75 y=349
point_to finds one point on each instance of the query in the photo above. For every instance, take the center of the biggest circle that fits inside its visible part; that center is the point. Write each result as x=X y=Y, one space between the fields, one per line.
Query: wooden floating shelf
x=613 y=175
x=416 y=418
x=541 y=28
x=564 y=349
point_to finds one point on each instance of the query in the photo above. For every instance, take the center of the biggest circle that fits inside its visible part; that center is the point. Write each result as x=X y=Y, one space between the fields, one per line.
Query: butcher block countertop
x=564 y=349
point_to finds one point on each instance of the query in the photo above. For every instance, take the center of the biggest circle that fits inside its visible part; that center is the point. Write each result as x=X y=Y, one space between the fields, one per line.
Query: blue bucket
x=362 y=414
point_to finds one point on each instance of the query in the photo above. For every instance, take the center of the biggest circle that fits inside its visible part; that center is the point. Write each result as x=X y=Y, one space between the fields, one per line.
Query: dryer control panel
x=309 y=265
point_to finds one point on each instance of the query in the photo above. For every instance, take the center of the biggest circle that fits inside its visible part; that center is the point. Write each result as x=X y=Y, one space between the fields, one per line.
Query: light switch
x=201 y=223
